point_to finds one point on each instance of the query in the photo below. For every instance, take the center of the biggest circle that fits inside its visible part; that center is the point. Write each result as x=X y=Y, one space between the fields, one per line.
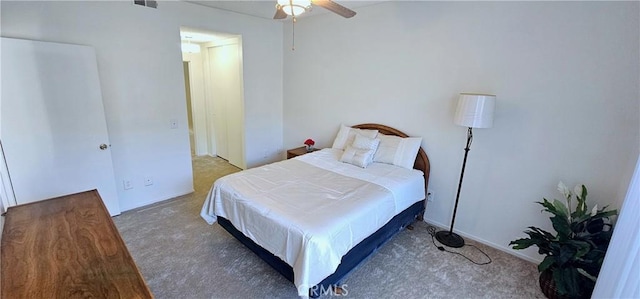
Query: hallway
x=206 y=170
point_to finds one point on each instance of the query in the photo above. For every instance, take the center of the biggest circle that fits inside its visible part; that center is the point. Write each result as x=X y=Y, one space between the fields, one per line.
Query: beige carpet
x=180 y=256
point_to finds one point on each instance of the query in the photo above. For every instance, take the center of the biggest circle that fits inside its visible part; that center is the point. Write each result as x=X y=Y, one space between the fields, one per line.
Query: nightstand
x=299 y=151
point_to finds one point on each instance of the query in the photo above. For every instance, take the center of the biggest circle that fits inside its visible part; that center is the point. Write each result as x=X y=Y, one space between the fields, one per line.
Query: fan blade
x=335 y=7
x=280 y=14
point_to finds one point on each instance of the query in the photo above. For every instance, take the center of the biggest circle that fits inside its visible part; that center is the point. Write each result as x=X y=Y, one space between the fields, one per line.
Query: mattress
x=311 y=210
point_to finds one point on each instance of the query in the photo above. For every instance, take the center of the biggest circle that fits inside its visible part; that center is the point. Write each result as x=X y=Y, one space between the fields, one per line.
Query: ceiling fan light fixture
x=294 y=7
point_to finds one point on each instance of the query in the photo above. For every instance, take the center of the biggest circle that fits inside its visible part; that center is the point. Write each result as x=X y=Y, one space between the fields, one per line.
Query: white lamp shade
x=475 y=110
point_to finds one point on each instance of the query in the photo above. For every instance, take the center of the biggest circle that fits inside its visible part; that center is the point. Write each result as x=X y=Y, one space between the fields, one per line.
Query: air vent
x=147 y=3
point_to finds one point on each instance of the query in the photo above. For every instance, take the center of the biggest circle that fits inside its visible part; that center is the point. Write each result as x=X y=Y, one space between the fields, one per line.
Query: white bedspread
x=311 y=210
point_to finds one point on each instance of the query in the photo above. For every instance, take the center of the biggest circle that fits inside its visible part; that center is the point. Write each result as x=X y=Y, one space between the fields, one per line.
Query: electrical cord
x=432 y=232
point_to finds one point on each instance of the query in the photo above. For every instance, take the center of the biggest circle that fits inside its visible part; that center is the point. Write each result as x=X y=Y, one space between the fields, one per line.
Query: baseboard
x=167 y=197
x=485 y=242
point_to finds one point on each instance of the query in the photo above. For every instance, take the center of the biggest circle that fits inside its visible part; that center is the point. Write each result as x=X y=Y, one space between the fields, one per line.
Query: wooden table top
x=67 y=247
x=298 y=151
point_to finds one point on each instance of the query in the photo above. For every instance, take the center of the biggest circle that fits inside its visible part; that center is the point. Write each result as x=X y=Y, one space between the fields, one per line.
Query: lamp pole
x=450 y=238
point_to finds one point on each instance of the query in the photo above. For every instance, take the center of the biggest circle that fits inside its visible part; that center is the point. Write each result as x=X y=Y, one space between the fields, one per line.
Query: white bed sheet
x=311 y=210
x=406 y=184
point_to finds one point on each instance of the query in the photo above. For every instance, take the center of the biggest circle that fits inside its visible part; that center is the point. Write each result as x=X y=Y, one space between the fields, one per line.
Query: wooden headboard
x=422 y=161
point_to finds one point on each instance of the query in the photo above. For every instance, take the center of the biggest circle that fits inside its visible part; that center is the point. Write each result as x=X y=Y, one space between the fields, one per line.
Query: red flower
x=309 y=142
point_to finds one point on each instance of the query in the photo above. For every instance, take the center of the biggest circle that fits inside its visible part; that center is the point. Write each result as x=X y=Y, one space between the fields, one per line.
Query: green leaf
x=546 y=263
x=587 y=275
x=582 y=248
x=541 y=232
x=537 y=237
x=561 y=225
x=558 y=278
x=605 y=214
x=567 y=253
x=581 y=208
x=572 y=285
x=582 y=218
x=522 y=243
x=560 y=209
x=547 y=205
x=584 y=193
x=566 y=280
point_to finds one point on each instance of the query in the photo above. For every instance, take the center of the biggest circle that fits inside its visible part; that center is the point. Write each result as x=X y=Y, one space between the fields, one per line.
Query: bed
x=314 y=218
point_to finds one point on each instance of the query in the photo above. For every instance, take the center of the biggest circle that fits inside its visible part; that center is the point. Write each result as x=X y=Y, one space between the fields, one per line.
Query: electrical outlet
x=148 y=181
x=127 y=184
x=430 y=195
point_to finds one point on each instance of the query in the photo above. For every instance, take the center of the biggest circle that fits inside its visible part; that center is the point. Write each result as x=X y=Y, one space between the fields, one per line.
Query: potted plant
x=574 y=254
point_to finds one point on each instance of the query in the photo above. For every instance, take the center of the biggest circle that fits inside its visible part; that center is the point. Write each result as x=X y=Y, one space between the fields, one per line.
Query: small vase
x=309 y=148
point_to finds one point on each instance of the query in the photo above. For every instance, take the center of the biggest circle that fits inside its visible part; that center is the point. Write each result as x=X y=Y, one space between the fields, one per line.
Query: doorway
x=212 y=65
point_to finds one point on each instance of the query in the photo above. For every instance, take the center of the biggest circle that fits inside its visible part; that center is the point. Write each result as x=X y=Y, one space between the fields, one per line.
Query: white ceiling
x=267 y=8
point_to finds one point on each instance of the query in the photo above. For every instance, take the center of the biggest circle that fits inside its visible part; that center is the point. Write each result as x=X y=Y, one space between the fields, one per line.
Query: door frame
x=196 y=125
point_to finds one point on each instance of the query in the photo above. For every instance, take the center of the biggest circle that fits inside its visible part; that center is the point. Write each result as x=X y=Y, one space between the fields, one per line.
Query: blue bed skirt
x=349 y=261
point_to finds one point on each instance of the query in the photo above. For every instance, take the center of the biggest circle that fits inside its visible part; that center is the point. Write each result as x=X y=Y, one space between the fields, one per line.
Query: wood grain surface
x=299 y=151
x=67 y=247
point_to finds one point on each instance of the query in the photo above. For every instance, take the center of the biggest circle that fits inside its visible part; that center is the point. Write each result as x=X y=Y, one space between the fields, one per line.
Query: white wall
x=140 y=66
x=565 y=75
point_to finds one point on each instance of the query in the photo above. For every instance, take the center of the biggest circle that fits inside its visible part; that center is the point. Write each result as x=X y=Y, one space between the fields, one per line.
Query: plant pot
x=548 y=285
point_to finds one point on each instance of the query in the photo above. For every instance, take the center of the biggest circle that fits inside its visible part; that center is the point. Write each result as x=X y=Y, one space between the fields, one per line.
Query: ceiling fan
x=295 y=8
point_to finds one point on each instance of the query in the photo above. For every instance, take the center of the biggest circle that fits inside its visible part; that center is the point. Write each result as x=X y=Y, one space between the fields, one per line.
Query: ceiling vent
x=147 y=3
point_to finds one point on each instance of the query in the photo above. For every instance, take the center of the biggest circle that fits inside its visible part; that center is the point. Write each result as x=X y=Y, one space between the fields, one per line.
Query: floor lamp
x=473 y=111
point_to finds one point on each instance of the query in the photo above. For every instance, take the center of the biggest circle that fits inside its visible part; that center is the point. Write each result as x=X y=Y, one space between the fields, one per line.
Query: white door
x=53 y=128
x=220 y=92
x=228 y=104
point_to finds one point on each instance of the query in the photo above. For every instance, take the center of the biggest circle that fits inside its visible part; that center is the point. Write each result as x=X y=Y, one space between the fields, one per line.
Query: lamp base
x=449 y=239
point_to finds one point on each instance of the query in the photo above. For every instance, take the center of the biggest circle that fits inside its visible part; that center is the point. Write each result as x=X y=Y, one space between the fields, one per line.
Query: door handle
x=103 y=146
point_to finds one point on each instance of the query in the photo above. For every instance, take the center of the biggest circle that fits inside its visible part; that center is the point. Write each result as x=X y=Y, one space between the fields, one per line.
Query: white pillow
x=397 y=150
x=346 y=135
x=364 y=142
x=357 y=156
x=361 y=141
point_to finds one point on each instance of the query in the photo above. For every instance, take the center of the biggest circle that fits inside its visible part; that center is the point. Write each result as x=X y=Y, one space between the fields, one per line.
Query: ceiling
x=266 y=8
